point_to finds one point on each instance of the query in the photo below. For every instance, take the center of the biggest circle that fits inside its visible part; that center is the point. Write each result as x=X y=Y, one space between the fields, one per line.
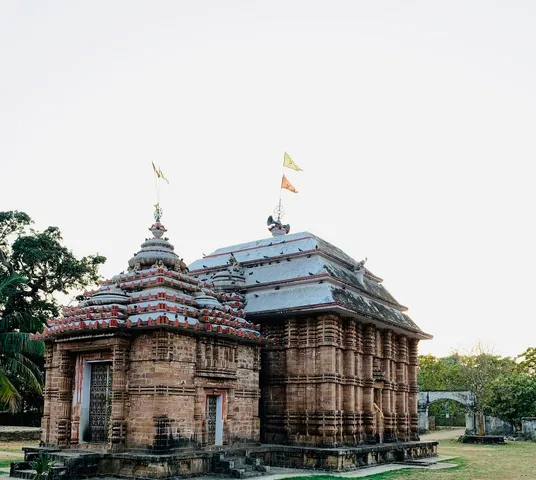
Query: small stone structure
x=528 y=427
x=467 y=399
x=497 y=426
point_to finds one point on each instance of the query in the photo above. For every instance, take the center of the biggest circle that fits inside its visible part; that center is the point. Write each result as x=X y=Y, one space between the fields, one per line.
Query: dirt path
x=446 y=434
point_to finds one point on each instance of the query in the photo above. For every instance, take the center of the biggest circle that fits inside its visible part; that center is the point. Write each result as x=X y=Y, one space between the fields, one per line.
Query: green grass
x=513 y=461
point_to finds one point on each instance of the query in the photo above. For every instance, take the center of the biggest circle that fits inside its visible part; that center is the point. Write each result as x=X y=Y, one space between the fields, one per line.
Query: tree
x=528 y=361
x=34 y=266
x=440 y=373
x=480 y=369
x=15 y=348
x=513 y=396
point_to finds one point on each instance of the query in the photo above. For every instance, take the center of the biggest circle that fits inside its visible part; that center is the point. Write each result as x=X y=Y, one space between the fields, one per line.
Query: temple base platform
x=235 y=462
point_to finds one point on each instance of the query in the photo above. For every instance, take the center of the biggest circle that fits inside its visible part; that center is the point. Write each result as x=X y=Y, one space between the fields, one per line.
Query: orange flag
x=286 y=184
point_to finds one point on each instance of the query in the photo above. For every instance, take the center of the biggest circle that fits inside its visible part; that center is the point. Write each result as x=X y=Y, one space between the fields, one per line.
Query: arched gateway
x=466 y=398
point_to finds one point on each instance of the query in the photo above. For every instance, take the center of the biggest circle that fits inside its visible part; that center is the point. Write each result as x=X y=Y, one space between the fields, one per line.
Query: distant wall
x=19 y=434
x=528 y=427
x=497 y=426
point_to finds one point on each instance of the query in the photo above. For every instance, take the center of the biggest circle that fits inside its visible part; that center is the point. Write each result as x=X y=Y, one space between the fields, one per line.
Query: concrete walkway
x=278 y=473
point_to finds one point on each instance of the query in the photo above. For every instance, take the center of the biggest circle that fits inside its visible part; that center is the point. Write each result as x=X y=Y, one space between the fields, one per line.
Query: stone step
x=418 y=463
x=26 y=473
x=24 y=470
x=244 y=473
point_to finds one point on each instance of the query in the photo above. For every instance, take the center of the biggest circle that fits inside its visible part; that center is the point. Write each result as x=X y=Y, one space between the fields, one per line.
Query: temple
x=278 y=350
x=343 y=370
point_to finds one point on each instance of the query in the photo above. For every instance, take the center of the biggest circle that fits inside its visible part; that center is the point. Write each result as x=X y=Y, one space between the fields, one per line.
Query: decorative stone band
x=158 y=321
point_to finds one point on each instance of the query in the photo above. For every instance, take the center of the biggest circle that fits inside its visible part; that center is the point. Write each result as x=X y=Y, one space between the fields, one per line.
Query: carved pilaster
x=47 y=394
x=369 y=347
x=413 y=350
x=118 y=423
x=64 y=400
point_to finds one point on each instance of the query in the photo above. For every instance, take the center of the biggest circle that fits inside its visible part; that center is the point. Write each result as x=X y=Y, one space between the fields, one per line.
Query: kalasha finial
x=158 y=212
x=157 y=228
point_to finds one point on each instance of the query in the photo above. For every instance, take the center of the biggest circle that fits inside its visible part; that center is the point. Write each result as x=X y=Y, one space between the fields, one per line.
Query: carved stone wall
x=330 y=381
x=160 y=381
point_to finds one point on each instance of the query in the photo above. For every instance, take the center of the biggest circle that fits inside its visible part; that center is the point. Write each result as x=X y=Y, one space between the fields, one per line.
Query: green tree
x=443 y=374
x=480 y=369
x=16 y=348
x=513 y=396
x=34 y=266
x=527 y=361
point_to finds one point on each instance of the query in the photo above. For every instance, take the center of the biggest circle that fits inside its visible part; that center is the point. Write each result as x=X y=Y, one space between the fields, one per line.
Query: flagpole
x=156 y=185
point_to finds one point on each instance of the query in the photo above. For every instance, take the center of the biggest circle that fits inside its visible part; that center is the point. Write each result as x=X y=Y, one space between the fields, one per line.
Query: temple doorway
x=99 y=399
x=214 y=419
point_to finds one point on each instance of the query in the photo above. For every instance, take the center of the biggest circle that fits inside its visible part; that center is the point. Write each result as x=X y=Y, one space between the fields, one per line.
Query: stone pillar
x=118 y=420
x=359 y=384
x=423 y=419
x=413 y=363
x=388 y=408
x=402 y=390
x=369 y=347
x=62 y=409
x=327 y=330
x=46 y=436
x=350 y=424
x=469 y=422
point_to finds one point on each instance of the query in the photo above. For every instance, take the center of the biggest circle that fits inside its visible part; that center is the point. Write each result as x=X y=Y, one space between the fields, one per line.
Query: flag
x=159 y=174
x=286 y=184
x=289 y=163
x=155 y=170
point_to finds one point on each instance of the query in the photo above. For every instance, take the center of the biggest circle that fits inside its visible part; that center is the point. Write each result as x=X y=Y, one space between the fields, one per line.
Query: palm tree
x=16 y=346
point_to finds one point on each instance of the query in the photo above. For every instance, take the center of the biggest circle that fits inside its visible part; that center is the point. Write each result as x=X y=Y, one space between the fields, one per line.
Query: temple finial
x=275 y=226
x=158 y=212
x=157 y=228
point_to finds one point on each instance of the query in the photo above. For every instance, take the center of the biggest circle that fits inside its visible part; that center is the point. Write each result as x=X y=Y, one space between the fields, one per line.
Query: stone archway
x=466 y=398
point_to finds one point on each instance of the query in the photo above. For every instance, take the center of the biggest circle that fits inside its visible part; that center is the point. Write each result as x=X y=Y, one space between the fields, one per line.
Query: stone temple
x=271 y=352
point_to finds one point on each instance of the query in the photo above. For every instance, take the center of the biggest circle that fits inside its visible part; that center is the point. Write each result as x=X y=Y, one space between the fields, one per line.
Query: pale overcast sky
x=413 y=121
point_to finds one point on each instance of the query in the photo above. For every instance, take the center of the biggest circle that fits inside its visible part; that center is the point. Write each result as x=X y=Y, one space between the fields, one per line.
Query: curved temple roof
x=157 y=290
x=302 y=272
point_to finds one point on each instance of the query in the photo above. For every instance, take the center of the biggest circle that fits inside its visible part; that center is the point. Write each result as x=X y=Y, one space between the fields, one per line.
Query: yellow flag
x=157 y=173
x=289 y=163
x=161 y=175
x=286 y=184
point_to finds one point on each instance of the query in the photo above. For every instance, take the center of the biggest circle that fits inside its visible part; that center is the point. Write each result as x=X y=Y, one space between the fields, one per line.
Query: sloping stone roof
x=302 y=272
x=158 y=291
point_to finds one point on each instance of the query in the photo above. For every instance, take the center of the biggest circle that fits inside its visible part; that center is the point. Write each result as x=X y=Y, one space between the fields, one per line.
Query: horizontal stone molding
x=160 y=390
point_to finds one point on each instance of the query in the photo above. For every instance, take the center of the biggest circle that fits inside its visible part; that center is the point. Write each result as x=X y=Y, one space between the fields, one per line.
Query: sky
x=413 y=122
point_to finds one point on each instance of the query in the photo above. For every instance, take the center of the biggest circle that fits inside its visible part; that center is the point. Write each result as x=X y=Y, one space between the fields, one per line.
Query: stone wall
x=528 y=427
x=330 y=381
x=497 y=426
x=160 y=382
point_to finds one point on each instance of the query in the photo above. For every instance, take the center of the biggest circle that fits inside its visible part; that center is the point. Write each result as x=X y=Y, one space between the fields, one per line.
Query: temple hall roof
x=301 y=272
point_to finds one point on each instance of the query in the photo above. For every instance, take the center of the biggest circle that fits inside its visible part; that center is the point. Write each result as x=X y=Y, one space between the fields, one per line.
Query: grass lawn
x=513 y=461
x=12 y=452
